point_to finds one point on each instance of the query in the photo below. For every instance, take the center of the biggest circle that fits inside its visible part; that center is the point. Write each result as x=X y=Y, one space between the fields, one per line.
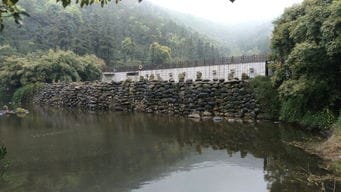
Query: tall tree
x=306 y=46
x=159 y=53
x=128 y=47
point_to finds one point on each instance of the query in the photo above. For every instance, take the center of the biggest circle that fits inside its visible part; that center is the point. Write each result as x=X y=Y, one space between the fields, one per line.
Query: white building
x=251 y=66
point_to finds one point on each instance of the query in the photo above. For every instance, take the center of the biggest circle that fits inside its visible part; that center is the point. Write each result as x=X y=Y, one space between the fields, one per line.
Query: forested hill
x=121 y=34
x=240 y=38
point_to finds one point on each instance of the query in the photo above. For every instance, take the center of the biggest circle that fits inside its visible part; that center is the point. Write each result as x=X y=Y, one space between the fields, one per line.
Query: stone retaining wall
x=197 y=99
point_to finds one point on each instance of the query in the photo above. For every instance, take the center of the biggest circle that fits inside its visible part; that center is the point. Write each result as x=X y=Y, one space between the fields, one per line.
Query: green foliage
x=128 y=48
x=266 y=95
x=245 y=76
x=337 y=126
x=24 y=94
x=306 y=47
x=5 y=96
x=121 y=34
x=159 y=54
x=323 y=119
x=182 y=76
x=5 y=51
x=26 y=72
x=20 y=110
x=9 y=8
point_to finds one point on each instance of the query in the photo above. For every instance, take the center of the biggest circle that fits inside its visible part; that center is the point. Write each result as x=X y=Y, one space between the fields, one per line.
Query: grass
x=331 y=149
x=24 y=94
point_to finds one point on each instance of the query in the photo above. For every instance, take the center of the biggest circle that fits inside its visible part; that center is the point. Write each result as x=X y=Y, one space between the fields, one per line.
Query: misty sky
x=224 y=11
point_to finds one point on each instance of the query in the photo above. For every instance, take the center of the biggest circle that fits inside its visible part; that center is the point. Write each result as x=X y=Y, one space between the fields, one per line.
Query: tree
x=9 y=8
x=127 y=48
x=159 y=54
x=53 y=66
x=101 y=31
x=306 y=47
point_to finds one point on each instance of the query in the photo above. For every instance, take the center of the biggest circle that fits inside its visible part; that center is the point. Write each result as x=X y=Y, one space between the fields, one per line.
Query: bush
x=245 y=76
x=267 y=96
x=20 y=74
x=182 y=76
x=322 y=120
x=25 y=94
x=5 y=95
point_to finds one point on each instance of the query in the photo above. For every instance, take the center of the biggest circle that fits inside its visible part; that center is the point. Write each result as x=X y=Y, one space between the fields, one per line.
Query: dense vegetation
x=119 y=34
x=10 y=8
x=267 y=96
x=306 y=47
x=236 y=39
x=21 y=74
x=122 y=34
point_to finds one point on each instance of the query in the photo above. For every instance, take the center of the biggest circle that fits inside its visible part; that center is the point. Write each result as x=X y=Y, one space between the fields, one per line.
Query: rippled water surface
x=118 y=152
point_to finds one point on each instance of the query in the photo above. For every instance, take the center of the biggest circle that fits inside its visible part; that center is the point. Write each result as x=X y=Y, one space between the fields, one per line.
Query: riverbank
x=330 y=150
x=218 y=100
x=17 y=111
x=327 y=149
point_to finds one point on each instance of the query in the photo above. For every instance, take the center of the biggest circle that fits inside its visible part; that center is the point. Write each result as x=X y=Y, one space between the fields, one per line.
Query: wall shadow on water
x=59 y=150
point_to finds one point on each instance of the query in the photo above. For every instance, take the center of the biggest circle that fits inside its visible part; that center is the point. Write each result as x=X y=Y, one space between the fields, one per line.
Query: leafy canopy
x=306 y=45
x=53 y=66
x=160 y=54
x=9 y=8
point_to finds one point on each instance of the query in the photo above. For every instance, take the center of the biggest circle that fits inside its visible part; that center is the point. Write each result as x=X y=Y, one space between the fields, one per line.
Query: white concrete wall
x=222 y=72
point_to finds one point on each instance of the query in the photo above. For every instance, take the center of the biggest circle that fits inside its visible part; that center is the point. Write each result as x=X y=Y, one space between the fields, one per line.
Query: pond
x=58 y=150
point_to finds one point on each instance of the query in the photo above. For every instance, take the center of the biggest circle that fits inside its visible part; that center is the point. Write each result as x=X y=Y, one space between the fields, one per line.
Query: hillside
x=123 y=34
x=235 y=39
x=119 y=34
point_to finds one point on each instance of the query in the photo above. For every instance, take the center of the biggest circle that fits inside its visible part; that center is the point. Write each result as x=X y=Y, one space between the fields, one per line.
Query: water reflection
x=74 y=151
x=219 y=175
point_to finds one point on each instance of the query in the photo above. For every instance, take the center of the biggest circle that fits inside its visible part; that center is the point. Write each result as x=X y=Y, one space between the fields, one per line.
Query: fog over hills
x=128 y=33
x=252 y=37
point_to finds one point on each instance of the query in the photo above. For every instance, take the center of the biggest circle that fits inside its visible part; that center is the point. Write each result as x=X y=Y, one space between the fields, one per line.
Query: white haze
x=223 y=11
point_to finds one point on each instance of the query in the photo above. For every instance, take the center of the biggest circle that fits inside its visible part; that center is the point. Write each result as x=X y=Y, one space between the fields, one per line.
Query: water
x=54 y=150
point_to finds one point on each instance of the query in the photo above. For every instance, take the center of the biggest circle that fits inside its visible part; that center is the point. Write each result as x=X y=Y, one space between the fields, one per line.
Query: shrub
x=5 y=94
x=25 y=94
x=266 y=95
x=322 y=120
x=245 y=76
x=182 y=76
